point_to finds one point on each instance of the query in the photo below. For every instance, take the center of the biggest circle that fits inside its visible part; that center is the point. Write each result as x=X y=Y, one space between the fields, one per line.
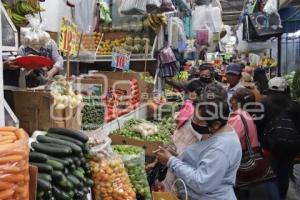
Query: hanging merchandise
x=153 y=5
x=260 y=26
x=167 y=6
x=202 y=35
x=187 y=21
x=244 y=46
x=271 y=7
x=133 y=7
x=177 y=37
x=85 y=15
x=104 y=12
x=120 y=59
x=168 y=64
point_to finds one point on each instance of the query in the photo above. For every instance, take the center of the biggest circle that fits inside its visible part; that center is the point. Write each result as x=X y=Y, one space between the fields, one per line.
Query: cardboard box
x=35 y=111
x=33 y=173
x=148 y=146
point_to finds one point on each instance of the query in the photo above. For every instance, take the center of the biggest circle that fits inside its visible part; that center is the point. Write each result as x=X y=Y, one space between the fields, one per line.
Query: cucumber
x=43 y=185
x=65 y=162
x=57 y=175
x=72 y=167
x=71 y=193
x=66 y=138
x=79 y=175
x=70 y=133
x=73 y=180
x=69 y=160
x=76 y=160
x=40 y=194
x=55 y=164
x=43 y=167
x=59 y=194
x=89 y=182
x=45 y=139
x=56 y=150
x=81 y=170
x=63 y=183
x=37 y=157
x=79 y=195
x=45 y=177
x=85 y=190
x=49 y=194
x=66 y=171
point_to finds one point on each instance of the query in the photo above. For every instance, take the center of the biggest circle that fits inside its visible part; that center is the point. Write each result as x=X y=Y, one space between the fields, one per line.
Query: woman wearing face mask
x=208 y=167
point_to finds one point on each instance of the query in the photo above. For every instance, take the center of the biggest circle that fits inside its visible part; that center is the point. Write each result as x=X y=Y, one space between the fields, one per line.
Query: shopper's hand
x=11 y=65
x=163 y=156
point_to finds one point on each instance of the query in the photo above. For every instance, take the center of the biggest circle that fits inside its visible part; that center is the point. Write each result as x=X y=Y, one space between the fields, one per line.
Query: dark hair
x=195 y=86
x=213 y=97
x=261 y=80
x=244 y=96
x=206 y=66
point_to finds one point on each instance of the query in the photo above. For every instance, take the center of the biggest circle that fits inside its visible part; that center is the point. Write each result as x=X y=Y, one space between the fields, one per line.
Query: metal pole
x=2 y=116
x=279 y=48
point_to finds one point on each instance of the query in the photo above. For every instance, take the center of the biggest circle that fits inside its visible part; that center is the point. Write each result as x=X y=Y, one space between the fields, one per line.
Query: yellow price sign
x=69 y=37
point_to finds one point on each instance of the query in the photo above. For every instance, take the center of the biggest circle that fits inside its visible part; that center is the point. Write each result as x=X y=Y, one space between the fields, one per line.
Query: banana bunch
x=155 y=21
x=7 y=7
x=18 y=20
x=267 y=62
x=23 y=8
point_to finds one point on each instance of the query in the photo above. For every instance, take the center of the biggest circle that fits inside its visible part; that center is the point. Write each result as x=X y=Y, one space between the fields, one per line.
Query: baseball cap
x=247 y=80
x=279 y=84
x=235 y=69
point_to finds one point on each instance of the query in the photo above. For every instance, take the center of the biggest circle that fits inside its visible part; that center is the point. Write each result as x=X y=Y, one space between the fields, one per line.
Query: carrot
x=6 y=193
x=10 y=170
x=21 y=134
x=8 y=128
x=9 y=137
x=11 y=159
x=12 y=178
x=5 y=185
x=6 y=142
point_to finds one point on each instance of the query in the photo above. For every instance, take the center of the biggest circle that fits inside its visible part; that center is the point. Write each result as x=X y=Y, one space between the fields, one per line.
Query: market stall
x=99 y=88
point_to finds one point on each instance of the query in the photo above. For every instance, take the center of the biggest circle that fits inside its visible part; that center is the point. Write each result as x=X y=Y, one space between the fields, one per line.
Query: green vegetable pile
x=92 y=113
x=166 y=128
x=63 y=171
x=134 y=161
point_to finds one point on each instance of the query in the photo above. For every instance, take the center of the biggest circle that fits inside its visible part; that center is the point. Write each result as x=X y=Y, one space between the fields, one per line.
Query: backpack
x=281 y=136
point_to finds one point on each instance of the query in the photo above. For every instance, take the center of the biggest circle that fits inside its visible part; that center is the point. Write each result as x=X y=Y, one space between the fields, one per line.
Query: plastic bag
x=153 y=5
x=134 y=160
x=111 y=180
x=167 y=6
x=133 y=7
x=202 y=35
x=244 y=46
x=14 y=166
x=271 y=7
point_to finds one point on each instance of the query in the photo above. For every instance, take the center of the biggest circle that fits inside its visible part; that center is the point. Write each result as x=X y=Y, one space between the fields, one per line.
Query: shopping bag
x=164 y=196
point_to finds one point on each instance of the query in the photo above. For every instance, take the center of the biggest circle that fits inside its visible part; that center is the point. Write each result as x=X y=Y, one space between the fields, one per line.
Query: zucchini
x=57 y=175
x=72 y=167
x=43 y=185
x=43 y=167
x=56 y=150
x=81 y=170
x=79 y=175
x=45 y=177
x=45 y=139
x=55 y=164
x=76 y=160
x=73 y=180
x=65 y=162
x=85 y=190
x=79 y=195
x=66 y=171
x=69 y=160
x=59 y=194
x=70 y=133
x=40 y=194
x=63 y=182
x=89 y=182
x=71 y=193
x=37 y=157
x=49 y=194
x=66 y=138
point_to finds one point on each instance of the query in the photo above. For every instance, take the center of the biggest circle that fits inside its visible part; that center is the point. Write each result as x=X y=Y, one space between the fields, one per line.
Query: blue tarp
x=290 y=18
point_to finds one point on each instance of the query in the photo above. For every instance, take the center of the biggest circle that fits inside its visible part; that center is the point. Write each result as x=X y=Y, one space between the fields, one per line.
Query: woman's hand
x=163 y=156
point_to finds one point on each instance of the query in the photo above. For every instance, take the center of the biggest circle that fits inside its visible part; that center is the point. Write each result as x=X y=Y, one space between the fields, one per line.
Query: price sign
x=120 y=59
x=69 y=37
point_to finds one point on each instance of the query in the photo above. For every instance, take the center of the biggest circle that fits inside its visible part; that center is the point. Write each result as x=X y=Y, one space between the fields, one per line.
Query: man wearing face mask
x=204 y=77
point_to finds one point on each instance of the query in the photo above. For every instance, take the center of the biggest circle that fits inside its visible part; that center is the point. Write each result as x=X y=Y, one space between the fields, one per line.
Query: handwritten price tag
x=69 y=37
